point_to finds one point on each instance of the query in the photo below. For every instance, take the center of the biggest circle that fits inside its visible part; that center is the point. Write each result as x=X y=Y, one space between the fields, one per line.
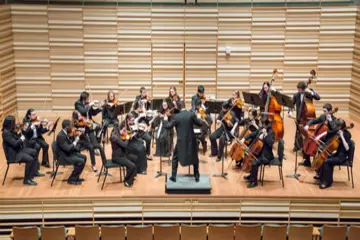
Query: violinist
x=164 y=137
x=119 y=142
x=135 y=147
x=228 y=122
x=33 y=133
x=16 y=151
x=339 y=157
x=251 y=124
x=326 y=118
x=88 y=140
x=205 y=128
x=238 y=108
x=300 y=98
x=139 y=113
x=143 y=98
x=173 y=99
x=199 y=96
x=68 y=151
x=108 y=112
x=88 y=109
x=267 y=135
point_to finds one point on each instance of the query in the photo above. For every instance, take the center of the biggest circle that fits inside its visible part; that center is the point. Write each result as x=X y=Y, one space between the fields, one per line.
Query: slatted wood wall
x=7 y=68
x=355 y=84
x=62 y=50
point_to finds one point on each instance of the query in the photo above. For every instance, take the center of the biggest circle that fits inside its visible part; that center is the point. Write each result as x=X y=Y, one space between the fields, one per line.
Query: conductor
x=186 y=148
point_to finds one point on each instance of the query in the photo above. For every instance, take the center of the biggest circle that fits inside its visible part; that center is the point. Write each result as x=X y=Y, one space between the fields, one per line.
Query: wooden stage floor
x=148 y=186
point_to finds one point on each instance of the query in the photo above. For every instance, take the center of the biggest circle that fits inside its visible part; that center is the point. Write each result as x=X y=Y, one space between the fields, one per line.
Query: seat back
x=55 y=151
x=334 y=232
x=280 y=151
x=274 y=232
x=166 y=232
x=112 y=233
x=300 y=233
x=354 y=233
x=248 y=232
x=53 y=233
x=87 y=232
x=193 y=232
x=139 y=232
x=223 y=232
x=26 y=233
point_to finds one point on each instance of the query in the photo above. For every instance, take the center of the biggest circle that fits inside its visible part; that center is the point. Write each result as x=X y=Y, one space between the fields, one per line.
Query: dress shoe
x=47 y=165
x=247 y=178
x=81 y=180
x=30 y=183
x=149 y=158
x=252 y=185
x=74 y=183
x=295 y=149
x=218 y=159
x=323 y=186
x=212 y=155
x=197 y=177
x=39 y=174
x=94 y=168
x=305 y=163
x=316 y=177
x=143 y=173
x=172 y=179
x=127 y=185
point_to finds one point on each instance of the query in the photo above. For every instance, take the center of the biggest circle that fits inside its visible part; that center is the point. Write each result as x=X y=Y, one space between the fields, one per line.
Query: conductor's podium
x=186 y=184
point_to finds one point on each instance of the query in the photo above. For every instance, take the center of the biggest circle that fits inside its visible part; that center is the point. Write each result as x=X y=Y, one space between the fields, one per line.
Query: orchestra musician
x=327 y=170
x=264 y=94
x=326 y=118
x=88 y=140
x=228 y=122
x=144 y=98
x=15 y=150
x=205 y=128
x=88 y=109
x=304 y=94
x=33 y=133
x=164 y=137
x=186 y=148
x=200 y=95
x=108 y=112
x=267 y=135
x=119 y=142
x=173 y=99
x=238 y=102
x=139 y=113
x=135 y=147
x=68 y=150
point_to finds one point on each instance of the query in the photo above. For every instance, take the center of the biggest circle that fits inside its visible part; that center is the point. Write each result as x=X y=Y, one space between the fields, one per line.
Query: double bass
x=273 y=111
x=327 y=150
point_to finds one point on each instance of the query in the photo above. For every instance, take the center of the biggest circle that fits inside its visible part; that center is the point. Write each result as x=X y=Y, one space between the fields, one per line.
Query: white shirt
x=302 y=97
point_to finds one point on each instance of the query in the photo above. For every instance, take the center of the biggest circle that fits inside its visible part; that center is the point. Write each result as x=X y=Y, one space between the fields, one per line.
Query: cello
x=327 y=149
x=252 y=152
x=273 y=111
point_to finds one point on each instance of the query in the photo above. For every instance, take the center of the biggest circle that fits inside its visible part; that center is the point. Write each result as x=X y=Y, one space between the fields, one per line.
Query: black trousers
x=32 y=144
x=136 y=153
x=105 y=125
x=147 y=138
x=27 y=156
x=130 y=168
x=218 y=134
x=175 y=164
x=78 y=160
x=90 y=143
x=45 y=150
x=255 y=168
x=327 y=169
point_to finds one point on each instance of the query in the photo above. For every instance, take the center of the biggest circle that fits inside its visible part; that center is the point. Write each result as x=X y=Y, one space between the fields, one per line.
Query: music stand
x=156 y=103
x=128 y=107
x=214 y=107
x=284 y=100
x=253 y=99
x=52 y=131
x=119 y=110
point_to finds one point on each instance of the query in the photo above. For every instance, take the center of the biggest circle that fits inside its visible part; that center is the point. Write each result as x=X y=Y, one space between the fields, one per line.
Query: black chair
x=349 y=162
x=57 y=161
x=8 y=162
x=106 y=165
x=277 y=161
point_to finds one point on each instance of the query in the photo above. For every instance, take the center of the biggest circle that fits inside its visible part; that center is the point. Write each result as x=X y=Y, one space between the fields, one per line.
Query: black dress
x=164 y=137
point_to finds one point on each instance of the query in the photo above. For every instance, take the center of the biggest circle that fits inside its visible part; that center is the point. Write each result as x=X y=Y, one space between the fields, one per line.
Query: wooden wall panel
x=355 y=84
x=7 y=68
x=62 y=50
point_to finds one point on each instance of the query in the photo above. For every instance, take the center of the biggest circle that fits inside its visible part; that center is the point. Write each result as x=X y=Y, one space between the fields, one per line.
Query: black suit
x=299 y=104
x=68 y=153
x=266 y=154
x=186 y=150
x=15 y=152
x=119 y=155
x=108 y=118
x=194 y=99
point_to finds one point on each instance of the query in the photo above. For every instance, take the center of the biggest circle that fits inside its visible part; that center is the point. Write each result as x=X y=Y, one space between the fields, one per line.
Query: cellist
x=267 y=135
x=300 y=98
x=326 y=118
x=327 y=170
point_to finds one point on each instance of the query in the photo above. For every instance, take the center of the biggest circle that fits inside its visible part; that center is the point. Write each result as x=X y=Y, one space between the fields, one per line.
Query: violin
x=202 y=113
x=85 y=123
x=38 y=122
x=126 y=135
x=327 y=150
x=228 y=117
x=238 y=102
x=310 y=145
x=75 y=132
x=203 y=99
x=112 y=103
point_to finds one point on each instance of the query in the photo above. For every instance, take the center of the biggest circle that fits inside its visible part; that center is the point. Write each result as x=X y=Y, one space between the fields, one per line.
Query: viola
x=327 y=149
x=75 y=132
x=310 y=145
x=114 y=102
x=238 y=102
x=202 y=113
x=83 y=123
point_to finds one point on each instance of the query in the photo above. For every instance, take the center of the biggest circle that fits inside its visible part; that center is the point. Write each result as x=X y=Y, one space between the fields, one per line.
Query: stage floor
x=148 y=186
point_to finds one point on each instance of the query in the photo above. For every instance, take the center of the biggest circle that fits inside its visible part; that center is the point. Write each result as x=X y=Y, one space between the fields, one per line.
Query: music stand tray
x=128 y=107
x=156 y=103
x=253 y=99
x=284 y=100
x=213 y=107
x=119 y=110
